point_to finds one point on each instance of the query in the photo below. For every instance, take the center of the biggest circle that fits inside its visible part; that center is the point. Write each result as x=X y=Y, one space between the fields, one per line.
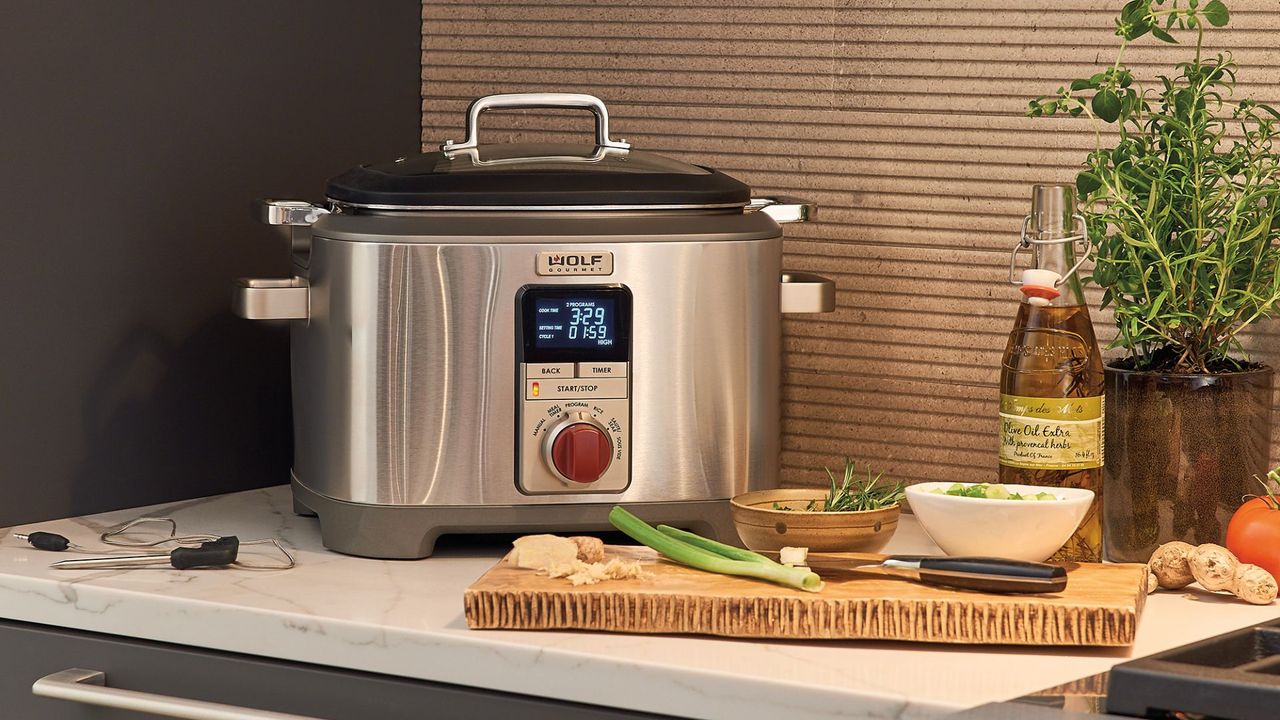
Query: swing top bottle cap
x=1051 y=209
x=1040 y=286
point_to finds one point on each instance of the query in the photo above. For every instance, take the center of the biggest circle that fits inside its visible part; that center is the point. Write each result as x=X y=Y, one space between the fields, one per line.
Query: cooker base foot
x=411 y=531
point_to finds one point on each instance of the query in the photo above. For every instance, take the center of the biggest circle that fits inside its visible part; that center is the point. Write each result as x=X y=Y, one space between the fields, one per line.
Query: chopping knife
x=984 y=574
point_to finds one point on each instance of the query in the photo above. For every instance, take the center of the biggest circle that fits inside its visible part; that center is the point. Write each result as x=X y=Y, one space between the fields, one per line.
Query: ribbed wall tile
x=901 y=118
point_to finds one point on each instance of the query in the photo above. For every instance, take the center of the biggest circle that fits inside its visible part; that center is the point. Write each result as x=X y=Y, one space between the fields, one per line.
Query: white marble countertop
x=404 y=618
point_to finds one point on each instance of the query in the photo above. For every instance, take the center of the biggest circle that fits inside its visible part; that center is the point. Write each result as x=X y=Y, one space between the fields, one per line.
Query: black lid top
x=537 y=176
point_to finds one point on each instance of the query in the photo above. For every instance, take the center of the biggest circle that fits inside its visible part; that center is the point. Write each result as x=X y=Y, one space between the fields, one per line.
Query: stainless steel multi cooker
x=513 y=337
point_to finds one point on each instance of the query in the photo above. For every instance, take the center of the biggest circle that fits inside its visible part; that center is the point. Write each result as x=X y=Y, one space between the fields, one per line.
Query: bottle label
x=1051 y=433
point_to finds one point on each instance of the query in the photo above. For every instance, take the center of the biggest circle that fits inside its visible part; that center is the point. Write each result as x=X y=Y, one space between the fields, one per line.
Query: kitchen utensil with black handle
x=986 y=574
x=213 y=553
x=981 y=574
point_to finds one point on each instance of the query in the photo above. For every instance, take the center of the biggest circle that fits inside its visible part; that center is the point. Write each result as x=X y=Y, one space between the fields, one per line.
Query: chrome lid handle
x=288 y=212
x=783 y=209
x=536 y=100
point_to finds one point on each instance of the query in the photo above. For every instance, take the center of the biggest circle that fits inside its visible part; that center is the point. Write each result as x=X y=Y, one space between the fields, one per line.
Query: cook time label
x=1051 y=433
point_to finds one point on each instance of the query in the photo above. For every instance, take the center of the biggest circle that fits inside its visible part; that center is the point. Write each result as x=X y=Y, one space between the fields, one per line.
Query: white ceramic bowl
x=1020 y=529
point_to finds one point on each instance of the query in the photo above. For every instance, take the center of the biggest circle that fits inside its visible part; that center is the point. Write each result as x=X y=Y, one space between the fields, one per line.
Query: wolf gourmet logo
x=582 y=263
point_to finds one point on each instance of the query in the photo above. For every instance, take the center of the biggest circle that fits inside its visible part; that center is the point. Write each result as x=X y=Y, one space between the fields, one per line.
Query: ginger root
x=1254 y=585
x=1214 y=567
x=590 y=549
x=1170 y=566
x=1177 y=564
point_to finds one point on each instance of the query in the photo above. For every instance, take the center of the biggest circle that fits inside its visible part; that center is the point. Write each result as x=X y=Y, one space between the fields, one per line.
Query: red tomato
x=1254 y=534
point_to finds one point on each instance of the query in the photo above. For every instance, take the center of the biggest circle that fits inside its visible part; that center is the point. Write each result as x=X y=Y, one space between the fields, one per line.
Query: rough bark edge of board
x=979 y=622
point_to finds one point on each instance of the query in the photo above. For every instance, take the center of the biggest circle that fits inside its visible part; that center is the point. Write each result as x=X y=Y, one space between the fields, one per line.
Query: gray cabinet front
x=170 y=671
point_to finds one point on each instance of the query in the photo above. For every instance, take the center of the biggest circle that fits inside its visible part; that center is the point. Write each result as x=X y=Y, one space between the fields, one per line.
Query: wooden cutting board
x=1100 y=606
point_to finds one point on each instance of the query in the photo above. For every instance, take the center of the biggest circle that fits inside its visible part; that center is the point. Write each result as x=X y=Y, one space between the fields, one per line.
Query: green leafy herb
x=1183 y=204
x=852 y=494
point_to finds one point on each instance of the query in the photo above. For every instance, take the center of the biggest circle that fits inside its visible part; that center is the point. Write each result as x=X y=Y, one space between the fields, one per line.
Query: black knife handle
x=992 y=583
x=214 y=553
x=987 y=574
x=994 y=566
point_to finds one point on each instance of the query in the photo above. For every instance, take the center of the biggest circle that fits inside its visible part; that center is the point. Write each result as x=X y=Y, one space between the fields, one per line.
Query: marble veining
x=404 y=618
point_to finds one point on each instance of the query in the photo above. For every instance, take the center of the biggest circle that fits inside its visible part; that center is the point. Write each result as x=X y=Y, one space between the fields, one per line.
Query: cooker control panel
x=573 y=403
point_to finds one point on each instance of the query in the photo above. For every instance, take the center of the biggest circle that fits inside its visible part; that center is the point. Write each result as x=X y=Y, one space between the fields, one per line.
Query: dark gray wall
x=134 y=136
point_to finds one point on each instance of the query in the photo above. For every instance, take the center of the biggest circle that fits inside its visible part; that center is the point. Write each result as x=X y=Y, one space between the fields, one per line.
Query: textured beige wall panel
x=903 y=119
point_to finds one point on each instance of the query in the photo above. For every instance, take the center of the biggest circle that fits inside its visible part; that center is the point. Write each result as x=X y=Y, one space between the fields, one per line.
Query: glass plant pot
x=1181 y=452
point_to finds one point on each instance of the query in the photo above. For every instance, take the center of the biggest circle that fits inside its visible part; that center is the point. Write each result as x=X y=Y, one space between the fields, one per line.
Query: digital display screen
x=588 y=321
x=575 y=323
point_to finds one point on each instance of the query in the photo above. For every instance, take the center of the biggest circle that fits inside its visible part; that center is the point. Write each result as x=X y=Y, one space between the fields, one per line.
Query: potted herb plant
x=1181 y=195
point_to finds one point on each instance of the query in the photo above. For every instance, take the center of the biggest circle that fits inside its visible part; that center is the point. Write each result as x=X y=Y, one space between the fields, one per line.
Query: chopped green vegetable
x=709 y=555
x=977 y=491
x=993 y=491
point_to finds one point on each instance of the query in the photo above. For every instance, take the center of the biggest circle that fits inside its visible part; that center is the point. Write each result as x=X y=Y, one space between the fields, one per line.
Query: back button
x=548 y=370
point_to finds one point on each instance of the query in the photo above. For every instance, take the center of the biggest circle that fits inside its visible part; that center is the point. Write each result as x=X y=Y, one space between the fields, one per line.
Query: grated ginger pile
x=585 y=573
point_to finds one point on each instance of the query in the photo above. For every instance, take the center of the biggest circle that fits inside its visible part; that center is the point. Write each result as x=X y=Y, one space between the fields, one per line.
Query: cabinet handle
x=88 y=687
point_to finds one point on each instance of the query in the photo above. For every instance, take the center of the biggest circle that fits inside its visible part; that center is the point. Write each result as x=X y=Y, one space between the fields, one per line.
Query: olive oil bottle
x=1051 y=379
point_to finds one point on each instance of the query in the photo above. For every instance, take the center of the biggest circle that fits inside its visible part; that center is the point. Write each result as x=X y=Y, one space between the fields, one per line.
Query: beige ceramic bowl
x=763 y=528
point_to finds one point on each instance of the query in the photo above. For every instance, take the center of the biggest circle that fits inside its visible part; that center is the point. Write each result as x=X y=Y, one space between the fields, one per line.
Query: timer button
x=602 y=369
x=581 y=452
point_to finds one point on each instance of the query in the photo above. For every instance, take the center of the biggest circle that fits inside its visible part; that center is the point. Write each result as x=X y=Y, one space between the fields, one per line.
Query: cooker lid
x=468 y=175
x=542 y=176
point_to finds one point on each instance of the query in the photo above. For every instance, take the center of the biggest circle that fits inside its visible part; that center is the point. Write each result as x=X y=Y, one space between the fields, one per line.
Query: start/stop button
x=575 y=388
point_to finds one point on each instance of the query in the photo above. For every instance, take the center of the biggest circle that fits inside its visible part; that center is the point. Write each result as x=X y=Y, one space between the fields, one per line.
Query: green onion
x=719 y=548
x=703 y=557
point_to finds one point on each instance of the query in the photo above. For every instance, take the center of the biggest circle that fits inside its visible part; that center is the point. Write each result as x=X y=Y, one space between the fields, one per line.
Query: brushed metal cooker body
x=406 y=388
x=405 y=377
x=412 y=416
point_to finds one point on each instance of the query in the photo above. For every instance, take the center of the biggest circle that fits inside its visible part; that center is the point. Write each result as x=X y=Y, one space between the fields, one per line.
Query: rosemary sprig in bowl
x=852 y=494
x=857 y=512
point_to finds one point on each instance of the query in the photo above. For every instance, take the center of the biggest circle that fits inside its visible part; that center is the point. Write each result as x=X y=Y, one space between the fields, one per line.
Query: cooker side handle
x=272 y=299
x=807 y=293
x=784 y=209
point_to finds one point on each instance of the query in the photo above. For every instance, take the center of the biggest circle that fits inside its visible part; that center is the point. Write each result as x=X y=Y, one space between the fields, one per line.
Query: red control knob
x=581 y=452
